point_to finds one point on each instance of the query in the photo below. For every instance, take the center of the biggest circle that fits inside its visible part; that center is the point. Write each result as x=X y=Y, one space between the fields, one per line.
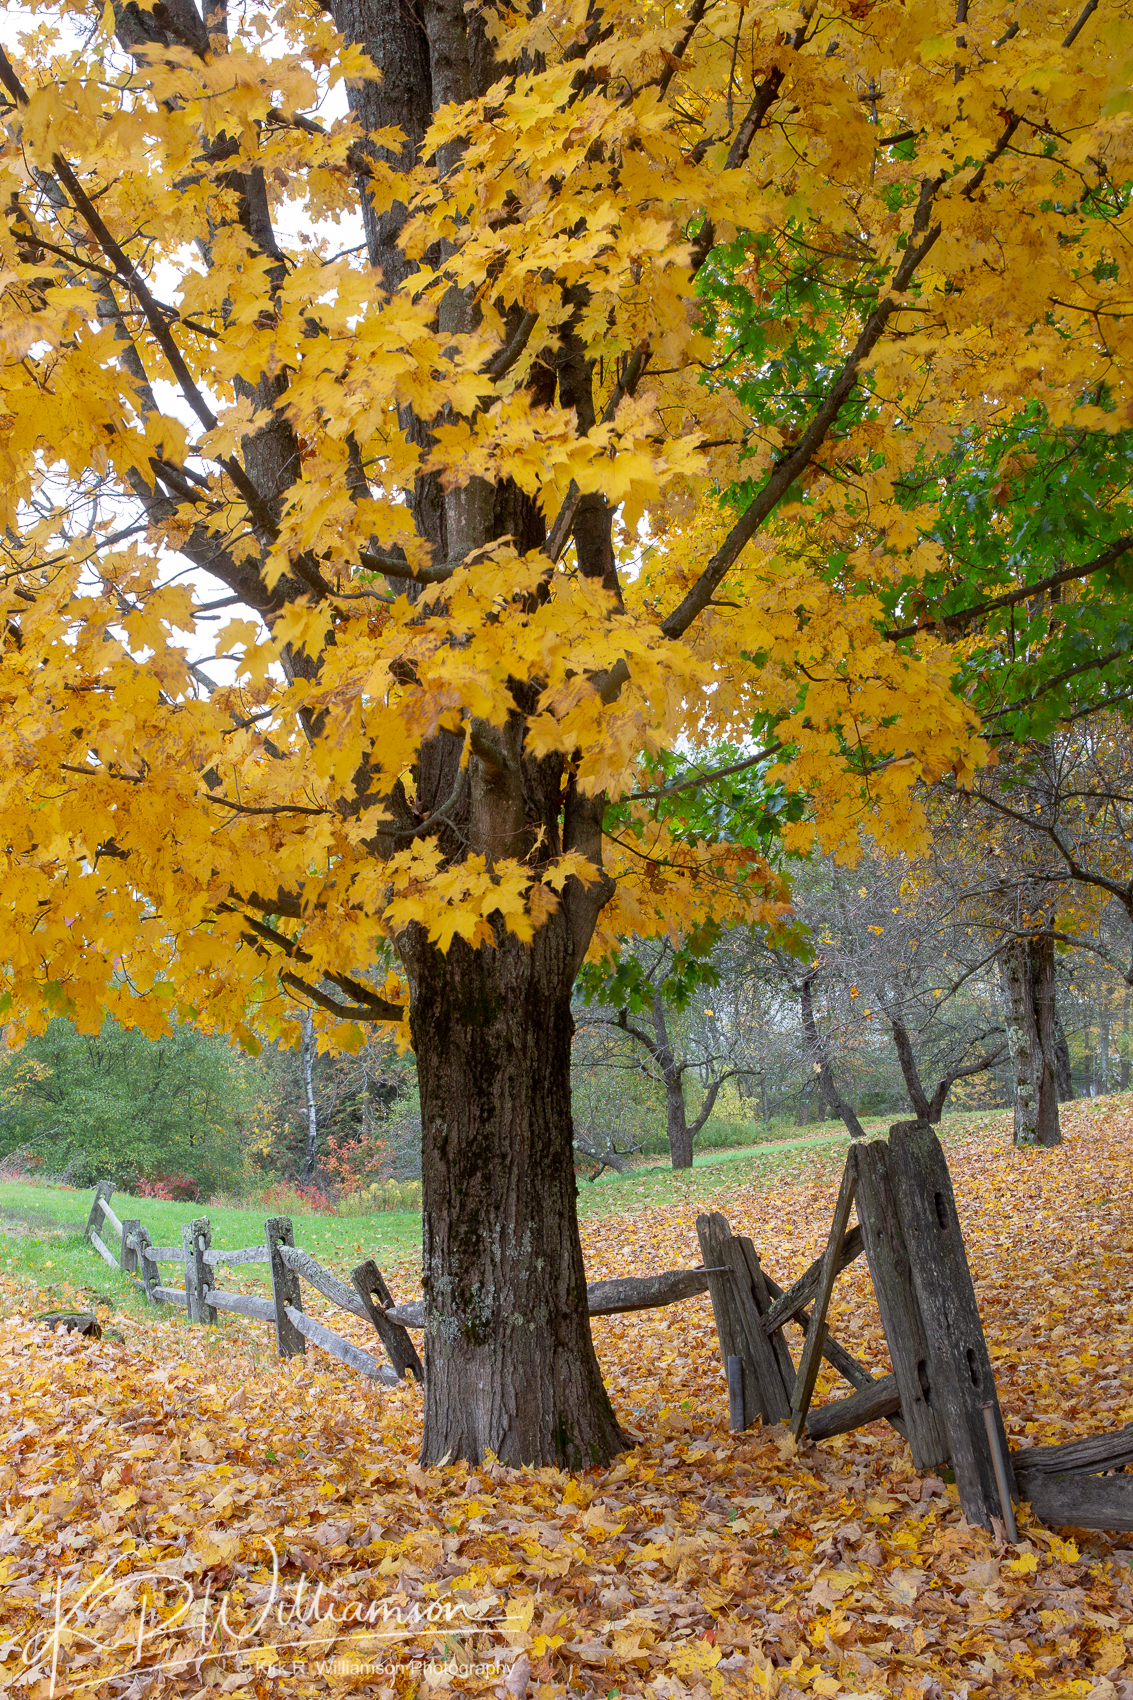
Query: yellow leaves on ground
x=700 y=1566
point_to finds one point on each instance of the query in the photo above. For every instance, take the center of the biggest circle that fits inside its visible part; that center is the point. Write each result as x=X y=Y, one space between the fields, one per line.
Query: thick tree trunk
x=1026 y=968
x=509 y=1363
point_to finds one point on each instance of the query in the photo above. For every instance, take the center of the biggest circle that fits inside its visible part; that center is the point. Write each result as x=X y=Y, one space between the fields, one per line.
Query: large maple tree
x=485 y=524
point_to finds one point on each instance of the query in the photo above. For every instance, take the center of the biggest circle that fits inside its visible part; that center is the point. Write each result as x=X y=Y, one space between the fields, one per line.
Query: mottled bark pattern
x=1026 y=967
x=509 y=1363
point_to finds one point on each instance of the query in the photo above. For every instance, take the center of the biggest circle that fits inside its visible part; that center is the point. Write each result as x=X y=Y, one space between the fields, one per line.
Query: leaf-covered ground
x=137 y=1477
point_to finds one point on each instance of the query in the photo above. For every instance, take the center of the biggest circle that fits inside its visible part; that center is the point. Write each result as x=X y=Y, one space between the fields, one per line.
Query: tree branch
x=795 y=463
x=559 y=533
x=676 y=785
x=505 y=358
x=710 y=1099
x=379 y=1010
x=1010 y=598
x=267 y=809
x=673 y=60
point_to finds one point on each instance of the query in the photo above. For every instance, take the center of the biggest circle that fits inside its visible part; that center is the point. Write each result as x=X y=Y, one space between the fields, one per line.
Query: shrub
x=382 y=1195
x=291 y=1198
x=174 y=1186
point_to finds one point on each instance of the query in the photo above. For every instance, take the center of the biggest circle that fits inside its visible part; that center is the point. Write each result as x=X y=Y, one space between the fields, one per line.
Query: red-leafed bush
x=172 y=1186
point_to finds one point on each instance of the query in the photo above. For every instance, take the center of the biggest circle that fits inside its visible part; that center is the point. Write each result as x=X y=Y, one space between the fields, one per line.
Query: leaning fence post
x=102 y=1194
x=367 y=1281
x=196 y=1237
x=285 y=1287
x=147 y=1269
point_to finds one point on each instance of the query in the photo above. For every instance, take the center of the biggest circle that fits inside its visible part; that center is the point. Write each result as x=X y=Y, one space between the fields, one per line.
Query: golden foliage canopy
x=202 y=374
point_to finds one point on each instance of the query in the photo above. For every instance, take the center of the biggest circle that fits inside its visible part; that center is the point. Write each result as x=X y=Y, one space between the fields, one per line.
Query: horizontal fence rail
x=366 y=1296
x=287 y=1264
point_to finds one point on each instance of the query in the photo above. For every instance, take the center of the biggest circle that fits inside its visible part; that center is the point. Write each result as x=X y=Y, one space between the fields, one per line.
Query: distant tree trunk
x=1125 y=1041
x=307 y=1053
x=918 y=1097
x=1026 y=967
x=681 y=1132
x=1062 y=1074
x=817 y=1052
x=672 y=1078
x=1103 y=1040
x=805 y=1097
x=931 y=1109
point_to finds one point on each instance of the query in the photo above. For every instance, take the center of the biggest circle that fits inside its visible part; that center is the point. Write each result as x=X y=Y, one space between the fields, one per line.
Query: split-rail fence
x=940 y=1395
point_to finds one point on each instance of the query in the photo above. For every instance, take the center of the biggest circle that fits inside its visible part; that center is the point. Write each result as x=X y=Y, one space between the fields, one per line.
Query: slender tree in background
x=483 y=528
x=672 y=1062
x=308 y=1049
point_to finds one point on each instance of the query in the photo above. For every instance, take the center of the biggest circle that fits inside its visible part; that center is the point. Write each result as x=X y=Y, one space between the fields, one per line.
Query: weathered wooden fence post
x=147 y=1269
x=128 y=1257
x=888 y=1259
x=285 y=1287
x=196 y=1238
x=369 y=1284
x=102 y=1194
x=959 y=1369
x=734 y=1285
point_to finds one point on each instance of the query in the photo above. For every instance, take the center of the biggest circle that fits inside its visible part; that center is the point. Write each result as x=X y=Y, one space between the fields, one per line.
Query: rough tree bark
x=509 y=1364
x=1026 y=967
x=1062 y=1074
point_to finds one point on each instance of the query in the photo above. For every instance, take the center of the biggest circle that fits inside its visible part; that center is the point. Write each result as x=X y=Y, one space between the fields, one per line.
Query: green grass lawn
x=42 y=1239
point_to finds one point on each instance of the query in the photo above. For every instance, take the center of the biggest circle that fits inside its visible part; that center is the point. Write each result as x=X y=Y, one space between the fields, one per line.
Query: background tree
x=359 y=1099
x=704 y=1047
x=417 y=474
x=183 y=1112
